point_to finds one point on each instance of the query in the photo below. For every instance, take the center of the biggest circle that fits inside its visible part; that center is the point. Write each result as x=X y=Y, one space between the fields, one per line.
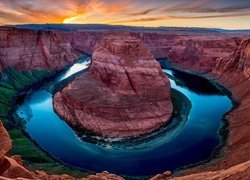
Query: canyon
x=222 y=57
x=123 y=94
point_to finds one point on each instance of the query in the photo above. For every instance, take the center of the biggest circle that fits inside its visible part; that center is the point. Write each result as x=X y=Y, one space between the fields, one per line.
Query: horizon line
x=211 y=28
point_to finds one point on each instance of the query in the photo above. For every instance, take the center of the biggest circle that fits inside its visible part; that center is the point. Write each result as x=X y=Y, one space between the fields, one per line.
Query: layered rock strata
x=232 y=71
x=124 y=93
x=29 y=50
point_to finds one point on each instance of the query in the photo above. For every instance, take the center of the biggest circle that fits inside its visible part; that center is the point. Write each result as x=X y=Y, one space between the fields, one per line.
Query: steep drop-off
x=29 y=50
x=232 y=71
x=125 y=92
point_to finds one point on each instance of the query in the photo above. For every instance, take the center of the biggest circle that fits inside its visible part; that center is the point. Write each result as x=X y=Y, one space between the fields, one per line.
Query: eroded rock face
x=240 y=171
x=104 y=175
x=28 y=49
x=9 y=168
x=124 y=93
x=5 y=141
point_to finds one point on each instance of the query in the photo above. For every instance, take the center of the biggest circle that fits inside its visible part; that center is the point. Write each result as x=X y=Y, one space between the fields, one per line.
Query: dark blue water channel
x=190 y=142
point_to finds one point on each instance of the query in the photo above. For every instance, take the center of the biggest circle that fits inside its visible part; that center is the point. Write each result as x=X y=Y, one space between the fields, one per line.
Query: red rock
x=29 y=49
x=167 y=173
x=11 y=169
x=240 y=171
x=125 y=93
x=18 y=159
x=104 y=176
x=5 y=141
x=43 y=175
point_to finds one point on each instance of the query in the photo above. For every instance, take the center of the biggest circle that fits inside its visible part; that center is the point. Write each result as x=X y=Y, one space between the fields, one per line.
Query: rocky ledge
x=123 y=94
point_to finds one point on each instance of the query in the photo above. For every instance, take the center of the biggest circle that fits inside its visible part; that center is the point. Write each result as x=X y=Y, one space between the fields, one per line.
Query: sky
x=227 y=14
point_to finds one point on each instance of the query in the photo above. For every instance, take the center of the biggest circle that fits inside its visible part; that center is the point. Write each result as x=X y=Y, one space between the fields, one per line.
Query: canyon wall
x=227 y=64
x=28 y=50
x=37 y=49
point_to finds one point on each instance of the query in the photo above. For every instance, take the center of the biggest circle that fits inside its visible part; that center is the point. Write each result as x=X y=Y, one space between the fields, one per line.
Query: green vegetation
x=13 y=82
x=13 y=85
x=35 y=159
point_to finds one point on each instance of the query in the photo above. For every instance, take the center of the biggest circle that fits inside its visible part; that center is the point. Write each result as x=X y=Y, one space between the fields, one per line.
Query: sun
x=70 y=20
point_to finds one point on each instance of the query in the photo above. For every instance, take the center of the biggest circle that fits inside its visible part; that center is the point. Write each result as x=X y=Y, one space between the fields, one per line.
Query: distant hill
x=96 y=27
x=104 y=27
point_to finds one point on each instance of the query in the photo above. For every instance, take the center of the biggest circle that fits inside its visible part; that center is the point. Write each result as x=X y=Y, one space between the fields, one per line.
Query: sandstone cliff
x=29 y=50
x=9 y=168
x=125 y=92
x=232 y=71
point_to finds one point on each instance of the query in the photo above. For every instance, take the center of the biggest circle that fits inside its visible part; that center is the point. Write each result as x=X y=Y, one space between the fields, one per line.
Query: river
x=190 y=142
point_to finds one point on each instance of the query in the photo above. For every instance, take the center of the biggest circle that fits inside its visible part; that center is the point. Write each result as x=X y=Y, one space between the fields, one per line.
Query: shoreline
x=23 y=136
x=224 y=130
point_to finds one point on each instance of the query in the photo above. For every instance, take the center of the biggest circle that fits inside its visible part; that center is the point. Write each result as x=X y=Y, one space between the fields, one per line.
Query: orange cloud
x=105 y=8
x=122 y=12
x=159 y=18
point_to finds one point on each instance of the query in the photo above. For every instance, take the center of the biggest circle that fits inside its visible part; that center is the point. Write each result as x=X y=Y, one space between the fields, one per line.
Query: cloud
x=179 y=17
x=50 y=11
x=187 y=6
x=143 y=12
x=211 y=16
x=202 y=6
x=114 y=12
x=108 y=8
x=23 y=11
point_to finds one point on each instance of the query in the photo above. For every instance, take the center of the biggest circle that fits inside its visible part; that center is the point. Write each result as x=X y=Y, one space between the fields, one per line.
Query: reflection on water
x=193 y=143
x=77 y=67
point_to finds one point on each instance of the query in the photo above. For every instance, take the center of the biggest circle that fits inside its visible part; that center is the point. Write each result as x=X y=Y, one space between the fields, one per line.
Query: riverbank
x=224 y=129
x=14 y=86
x=233 y=152
x=181 y=109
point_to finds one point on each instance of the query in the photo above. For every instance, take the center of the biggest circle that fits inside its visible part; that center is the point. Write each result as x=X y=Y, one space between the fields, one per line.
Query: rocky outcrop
x=124 y=93
x=29 y=49
x=9 y=168
x=5 y=142
x=238 y=62
x=104 y=175
x=203 y=52
x=240 y=171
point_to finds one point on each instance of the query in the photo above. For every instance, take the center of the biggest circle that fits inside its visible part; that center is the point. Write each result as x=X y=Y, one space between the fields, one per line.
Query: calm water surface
x=194 y=142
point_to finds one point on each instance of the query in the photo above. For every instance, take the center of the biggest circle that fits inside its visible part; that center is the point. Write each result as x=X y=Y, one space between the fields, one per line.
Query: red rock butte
x=123 y=94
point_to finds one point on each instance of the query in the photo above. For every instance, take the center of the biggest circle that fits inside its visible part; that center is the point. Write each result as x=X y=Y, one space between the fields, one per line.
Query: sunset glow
x=188 y=13
x=70 y=20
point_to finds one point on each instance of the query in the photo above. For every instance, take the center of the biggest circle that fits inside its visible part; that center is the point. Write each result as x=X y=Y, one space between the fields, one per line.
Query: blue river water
x=194 y=141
